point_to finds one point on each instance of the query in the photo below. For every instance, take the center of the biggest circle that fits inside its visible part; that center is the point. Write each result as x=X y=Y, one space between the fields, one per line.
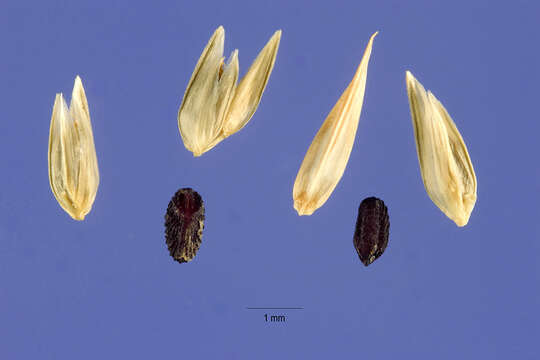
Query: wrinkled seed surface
x=184 y=224
x=372 y=230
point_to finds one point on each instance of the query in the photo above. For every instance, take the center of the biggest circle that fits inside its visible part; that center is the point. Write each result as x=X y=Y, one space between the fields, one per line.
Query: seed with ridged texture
x=372 y=229
x=184 y=224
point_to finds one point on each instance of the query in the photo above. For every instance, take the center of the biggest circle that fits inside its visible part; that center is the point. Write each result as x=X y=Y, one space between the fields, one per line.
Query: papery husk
x=328 y=154
x=73 y=168
x=445 y=165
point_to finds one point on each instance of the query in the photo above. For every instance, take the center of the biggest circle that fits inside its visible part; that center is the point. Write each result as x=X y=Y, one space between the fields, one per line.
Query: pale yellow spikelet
x=445 y=165
x=73 y=168
x=250 y=90
x=213 y=107
x=208 y=96
x=328 y=154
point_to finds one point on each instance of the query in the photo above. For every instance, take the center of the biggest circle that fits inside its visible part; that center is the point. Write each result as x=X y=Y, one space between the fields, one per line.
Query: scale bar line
x=275 y=308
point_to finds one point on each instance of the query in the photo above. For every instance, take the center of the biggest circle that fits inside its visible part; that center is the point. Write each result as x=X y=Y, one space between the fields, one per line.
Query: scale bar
x=275 y=308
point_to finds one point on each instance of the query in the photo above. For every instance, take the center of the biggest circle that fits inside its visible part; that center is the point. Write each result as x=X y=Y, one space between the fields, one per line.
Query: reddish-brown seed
x=372 y=229
x=184 y=224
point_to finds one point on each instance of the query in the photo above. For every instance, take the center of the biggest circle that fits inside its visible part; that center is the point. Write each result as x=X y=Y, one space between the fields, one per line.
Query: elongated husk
x=73 y=168
x=250 y=90
x=445 y=165
x=208 y=96
x=328 y=154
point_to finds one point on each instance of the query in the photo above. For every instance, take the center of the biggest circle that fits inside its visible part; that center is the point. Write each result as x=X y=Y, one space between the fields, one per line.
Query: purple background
x=107 y=288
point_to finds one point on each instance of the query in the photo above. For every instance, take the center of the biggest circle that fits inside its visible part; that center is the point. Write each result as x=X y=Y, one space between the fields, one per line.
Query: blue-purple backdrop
x=107 y=288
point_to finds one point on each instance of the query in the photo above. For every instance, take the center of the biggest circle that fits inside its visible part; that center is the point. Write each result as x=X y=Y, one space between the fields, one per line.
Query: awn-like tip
x=329 y=152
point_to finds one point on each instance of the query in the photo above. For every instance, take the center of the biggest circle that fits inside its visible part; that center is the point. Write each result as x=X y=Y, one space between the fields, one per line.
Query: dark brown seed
x=184 y=224
x=372 y=228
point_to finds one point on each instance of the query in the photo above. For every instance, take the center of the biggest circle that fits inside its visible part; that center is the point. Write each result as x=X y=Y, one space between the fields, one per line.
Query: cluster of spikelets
x=215 y=107
x=445 y=165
